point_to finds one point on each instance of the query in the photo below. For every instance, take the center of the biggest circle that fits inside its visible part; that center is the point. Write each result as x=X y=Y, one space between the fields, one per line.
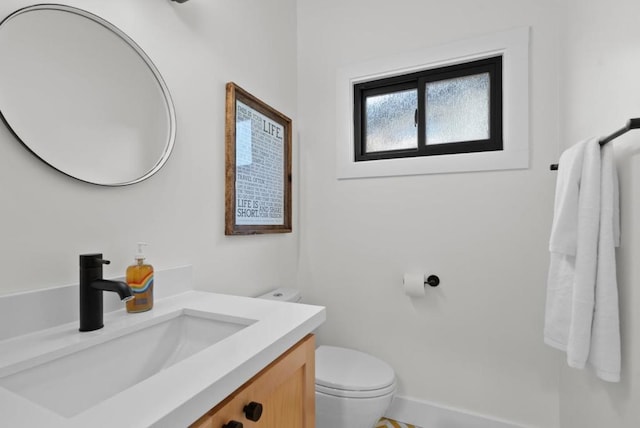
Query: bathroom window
x=402 y=142
x=439 y=111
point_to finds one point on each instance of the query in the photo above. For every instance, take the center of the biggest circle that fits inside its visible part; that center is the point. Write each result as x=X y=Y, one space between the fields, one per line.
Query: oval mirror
x=82 y=96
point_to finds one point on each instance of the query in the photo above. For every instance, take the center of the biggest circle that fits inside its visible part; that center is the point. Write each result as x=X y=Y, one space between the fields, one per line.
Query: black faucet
x=91 y=287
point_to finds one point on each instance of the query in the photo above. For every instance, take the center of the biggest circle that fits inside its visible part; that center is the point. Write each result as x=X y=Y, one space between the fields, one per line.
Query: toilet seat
x=345 y=393
x=349 y=373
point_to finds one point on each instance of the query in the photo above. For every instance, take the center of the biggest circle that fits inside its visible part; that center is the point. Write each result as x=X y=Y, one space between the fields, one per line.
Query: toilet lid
x=348 y=369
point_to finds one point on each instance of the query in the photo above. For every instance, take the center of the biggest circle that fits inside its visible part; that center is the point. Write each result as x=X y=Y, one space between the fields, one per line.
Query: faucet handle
x=92 y=260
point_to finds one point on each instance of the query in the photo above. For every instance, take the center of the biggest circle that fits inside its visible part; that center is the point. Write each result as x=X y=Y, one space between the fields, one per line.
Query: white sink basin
x=72 y=383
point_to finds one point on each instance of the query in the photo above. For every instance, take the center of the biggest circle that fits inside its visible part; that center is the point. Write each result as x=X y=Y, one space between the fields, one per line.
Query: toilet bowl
x=353 y=389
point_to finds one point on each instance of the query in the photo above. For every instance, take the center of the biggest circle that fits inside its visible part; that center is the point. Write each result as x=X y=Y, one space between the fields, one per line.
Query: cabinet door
x=285 y=389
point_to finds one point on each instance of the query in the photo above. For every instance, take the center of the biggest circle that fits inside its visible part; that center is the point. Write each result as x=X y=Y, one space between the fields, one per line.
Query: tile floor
x=390 y=423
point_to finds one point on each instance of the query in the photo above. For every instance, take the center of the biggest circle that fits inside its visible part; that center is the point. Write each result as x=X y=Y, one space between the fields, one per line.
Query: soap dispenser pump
x=140 y=279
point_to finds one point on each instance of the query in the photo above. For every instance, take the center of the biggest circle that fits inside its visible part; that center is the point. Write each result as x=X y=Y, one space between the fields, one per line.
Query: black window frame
x=418 y=81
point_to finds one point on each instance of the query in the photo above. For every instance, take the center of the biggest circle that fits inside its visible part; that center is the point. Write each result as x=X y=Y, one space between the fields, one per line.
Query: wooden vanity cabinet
x=285 y=389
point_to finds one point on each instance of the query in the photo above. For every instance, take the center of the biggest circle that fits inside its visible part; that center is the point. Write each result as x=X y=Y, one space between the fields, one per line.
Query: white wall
x=600 y=91
x=47 y=219
x=476 y=342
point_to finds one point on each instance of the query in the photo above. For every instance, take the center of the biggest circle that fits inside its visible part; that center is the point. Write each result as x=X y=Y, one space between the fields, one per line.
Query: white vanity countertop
x=177 y=395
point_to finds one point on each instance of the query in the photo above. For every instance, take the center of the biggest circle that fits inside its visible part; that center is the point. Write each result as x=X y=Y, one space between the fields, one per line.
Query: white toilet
x=353 y=389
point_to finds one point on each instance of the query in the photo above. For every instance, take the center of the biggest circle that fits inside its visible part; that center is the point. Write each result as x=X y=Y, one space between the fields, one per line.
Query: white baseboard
x=431 y=415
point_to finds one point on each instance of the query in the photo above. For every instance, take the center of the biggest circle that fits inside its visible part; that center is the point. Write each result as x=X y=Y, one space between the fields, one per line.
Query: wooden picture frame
x=258 y=166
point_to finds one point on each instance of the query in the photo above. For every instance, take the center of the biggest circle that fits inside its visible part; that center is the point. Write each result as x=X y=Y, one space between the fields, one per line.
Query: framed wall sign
x=258 y=166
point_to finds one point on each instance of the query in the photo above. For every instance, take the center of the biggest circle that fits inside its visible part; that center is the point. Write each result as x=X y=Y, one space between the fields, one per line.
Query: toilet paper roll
x=413 y=284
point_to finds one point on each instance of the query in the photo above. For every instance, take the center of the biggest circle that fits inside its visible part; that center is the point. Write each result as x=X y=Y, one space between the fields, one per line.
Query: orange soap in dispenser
x=140 y=279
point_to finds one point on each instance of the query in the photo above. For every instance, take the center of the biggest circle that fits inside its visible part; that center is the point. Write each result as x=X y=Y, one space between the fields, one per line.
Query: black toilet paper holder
x=432 y=280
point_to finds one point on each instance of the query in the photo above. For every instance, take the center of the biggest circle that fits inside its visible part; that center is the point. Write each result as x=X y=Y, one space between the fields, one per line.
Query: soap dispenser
x=140 y=279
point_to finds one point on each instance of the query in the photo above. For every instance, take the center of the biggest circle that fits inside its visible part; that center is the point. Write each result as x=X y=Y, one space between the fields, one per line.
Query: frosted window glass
x=390 y=121
x=458 y=109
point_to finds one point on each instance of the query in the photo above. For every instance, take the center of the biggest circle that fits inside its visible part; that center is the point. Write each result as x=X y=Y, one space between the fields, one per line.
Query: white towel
x=582 y=263
x=604 y=355
x=564 y=231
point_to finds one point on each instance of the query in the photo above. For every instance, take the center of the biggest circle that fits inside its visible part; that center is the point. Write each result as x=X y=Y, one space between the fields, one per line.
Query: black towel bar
x=631 y=124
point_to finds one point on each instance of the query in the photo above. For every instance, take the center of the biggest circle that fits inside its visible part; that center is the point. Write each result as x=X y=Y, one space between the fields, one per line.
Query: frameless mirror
x=82 y=96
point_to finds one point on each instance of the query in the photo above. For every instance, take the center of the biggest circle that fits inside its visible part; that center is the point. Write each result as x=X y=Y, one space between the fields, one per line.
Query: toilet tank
x=283 y=294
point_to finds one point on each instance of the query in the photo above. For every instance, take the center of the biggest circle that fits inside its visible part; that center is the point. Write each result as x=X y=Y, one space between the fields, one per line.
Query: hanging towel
x=582 y=262
x=604 y=355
